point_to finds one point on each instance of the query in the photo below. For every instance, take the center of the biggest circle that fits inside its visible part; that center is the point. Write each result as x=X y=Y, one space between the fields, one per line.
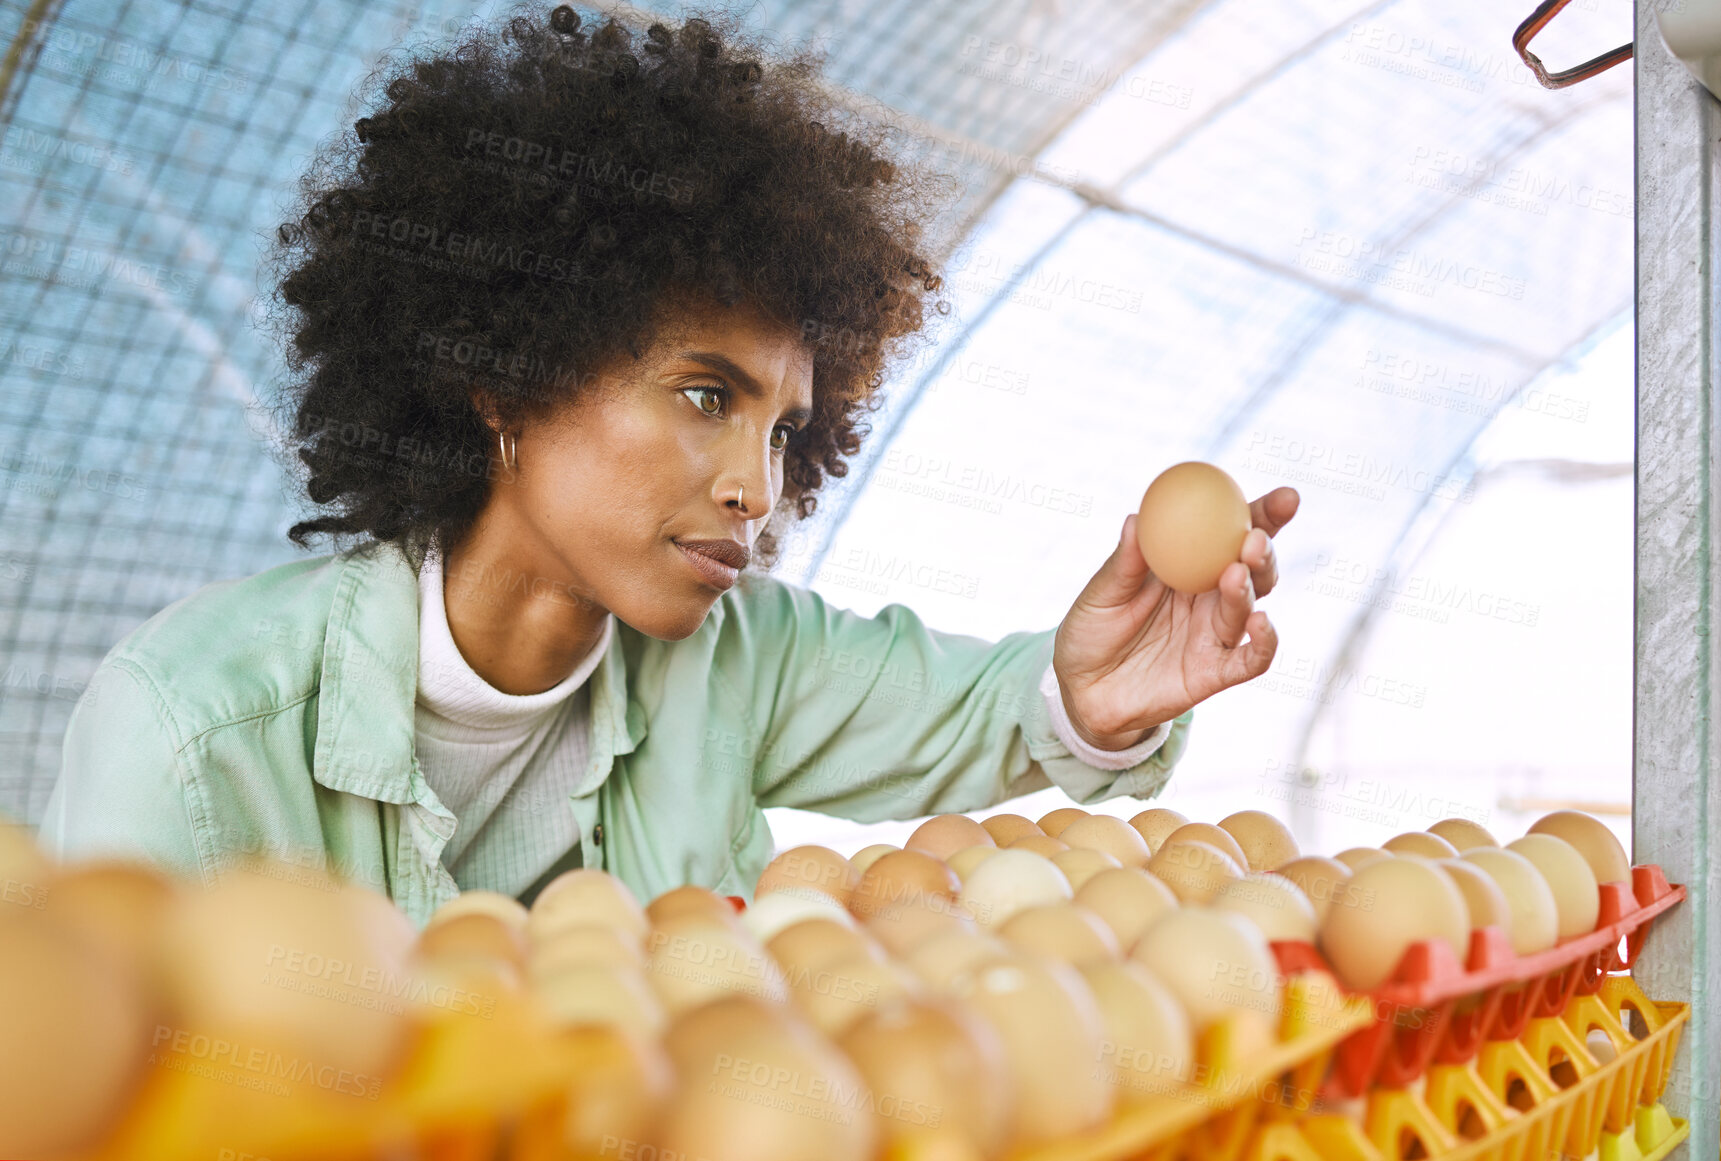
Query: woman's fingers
x=1274 y=510
x=1256 y=657
x=1263 y=562
x=1236 y=602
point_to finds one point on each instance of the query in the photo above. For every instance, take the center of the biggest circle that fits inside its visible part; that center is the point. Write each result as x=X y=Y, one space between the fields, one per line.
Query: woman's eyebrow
x=731 y=370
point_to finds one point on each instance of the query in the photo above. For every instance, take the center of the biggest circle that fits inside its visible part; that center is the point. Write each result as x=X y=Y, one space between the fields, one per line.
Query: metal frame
x=1676 y=795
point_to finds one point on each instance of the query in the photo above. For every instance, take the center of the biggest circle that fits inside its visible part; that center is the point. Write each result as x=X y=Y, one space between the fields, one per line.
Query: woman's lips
x=713 y=572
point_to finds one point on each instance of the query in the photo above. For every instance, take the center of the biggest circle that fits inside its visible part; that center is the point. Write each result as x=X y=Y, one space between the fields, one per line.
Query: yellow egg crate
x=473 y=1087
x=1542 y=1094
x=1239 y=1081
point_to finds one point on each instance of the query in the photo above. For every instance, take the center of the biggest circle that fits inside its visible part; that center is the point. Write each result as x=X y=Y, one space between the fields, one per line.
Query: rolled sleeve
x=1087 y=752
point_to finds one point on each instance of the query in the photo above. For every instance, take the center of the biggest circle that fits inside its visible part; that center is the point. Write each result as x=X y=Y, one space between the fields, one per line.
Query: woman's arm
x=873 y=718
x=120 y=791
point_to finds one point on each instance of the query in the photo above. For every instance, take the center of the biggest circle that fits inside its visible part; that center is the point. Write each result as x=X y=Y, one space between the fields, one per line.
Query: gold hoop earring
x=510 y=448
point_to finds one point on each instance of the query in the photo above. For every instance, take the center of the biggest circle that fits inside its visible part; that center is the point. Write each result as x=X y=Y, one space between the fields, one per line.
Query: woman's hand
x=1132 y=653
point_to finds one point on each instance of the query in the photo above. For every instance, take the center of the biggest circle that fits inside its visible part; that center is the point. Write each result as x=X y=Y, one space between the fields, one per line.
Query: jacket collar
x=365 y=720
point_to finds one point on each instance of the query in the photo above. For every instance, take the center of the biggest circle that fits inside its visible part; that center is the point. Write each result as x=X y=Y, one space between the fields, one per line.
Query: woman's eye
x=714 y=392
x=785 y=430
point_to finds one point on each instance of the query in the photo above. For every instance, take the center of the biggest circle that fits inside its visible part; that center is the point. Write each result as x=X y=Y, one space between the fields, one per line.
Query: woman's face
x=654 y=455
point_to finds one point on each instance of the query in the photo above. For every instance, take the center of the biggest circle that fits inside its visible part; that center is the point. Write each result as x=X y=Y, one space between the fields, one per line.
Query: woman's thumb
x=1124 y=571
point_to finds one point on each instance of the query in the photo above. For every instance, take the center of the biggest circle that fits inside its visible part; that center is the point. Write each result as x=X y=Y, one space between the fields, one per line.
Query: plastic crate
x=1214 y=1120
x=467 y=1082
x=1537 y=1095
x=1436 y=1010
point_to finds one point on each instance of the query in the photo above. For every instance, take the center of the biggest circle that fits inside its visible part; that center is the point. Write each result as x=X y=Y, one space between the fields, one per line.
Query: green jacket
x=274 y=715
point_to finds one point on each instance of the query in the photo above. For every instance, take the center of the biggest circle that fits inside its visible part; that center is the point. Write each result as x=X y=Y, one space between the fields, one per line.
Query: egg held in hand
x=1191 y=525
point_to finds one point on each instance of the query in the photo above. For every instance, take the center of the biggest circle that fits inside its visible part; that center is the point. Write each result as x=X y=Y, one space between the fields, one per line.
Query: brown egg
x=493 y=903
x=1114 y=836
x=1420 y=842
x=621 y=1086
x=725 y=1024
x=1591 y=838
x=964 y=861
x=282 y=960
x=1011 y=881
x=1484 y=902
x=690 y=961
x=593 y=945
x=904 y=879
x=76 y=1029
x=1388 y=906
x=937 y=1073
x=1215 y=964
x=1463 y=834
x=1054 y=822
x=1535 y=920
x=1577 y=901
x=587 y=895
x=753 y=1088
x=1356 y=858
x=943 y=835
x=116 y=904
x=1043 y=845
x=864 y=858
x=1149 y=1048
x=1079 y=864
x=1191 y=525
x=473 y=935
x=1266 y=843
x=901 y=929
x=594 y=996
x=819 y=868
x=1155 y=824
x=700 y=900
x=939 y=960
x=1064 y=931
x=1128 y=900
x=1193 y=870
x=1053 y=1033
x=812 y=943
x=835 y=995
x=1213 y=836
x=1007 y=828
x=1320 y=879
x=1275 y=905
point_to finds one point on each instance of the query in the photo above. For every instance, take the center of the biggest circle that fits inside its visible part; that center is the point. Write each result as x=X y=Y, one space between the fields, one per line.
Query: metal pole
x=1676 y=796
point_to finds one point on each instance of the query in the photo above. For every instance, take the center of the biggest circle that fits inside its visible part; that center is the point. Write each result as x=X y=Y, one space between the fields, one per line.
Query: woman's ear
x=486 y=409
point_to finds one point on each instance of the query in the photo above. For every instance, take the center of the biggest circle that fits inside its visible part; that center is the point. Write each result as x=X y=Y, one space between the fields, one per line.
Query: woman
x=571 y=317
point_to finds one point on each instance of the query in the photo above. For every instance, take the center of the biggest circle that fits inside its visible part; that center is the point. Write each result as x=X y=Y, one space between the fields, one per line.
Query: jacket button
x=598 y=834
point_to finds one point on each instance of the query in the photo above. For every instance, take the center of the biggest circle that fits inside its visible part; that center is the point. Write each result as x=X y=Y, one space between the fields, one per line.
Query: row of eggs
x=993 y=983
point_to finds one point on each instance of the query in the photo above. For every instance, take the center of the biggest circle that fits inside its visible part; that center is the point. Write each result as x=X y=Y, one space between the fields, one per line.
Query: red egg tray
x=1435 y=1010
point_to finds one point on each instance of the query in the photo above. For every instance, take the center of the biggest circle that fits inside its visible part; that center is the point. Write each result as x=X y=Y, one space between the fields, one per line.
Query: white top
x=487 y=754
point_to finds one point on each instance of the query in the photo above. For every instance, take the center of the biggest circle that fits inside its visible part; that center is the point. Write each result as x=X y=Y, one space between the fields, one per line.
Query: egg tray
x=1241 y=1080
x=470 y=1089
x=1538 y=1095
x=1434 y=1010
